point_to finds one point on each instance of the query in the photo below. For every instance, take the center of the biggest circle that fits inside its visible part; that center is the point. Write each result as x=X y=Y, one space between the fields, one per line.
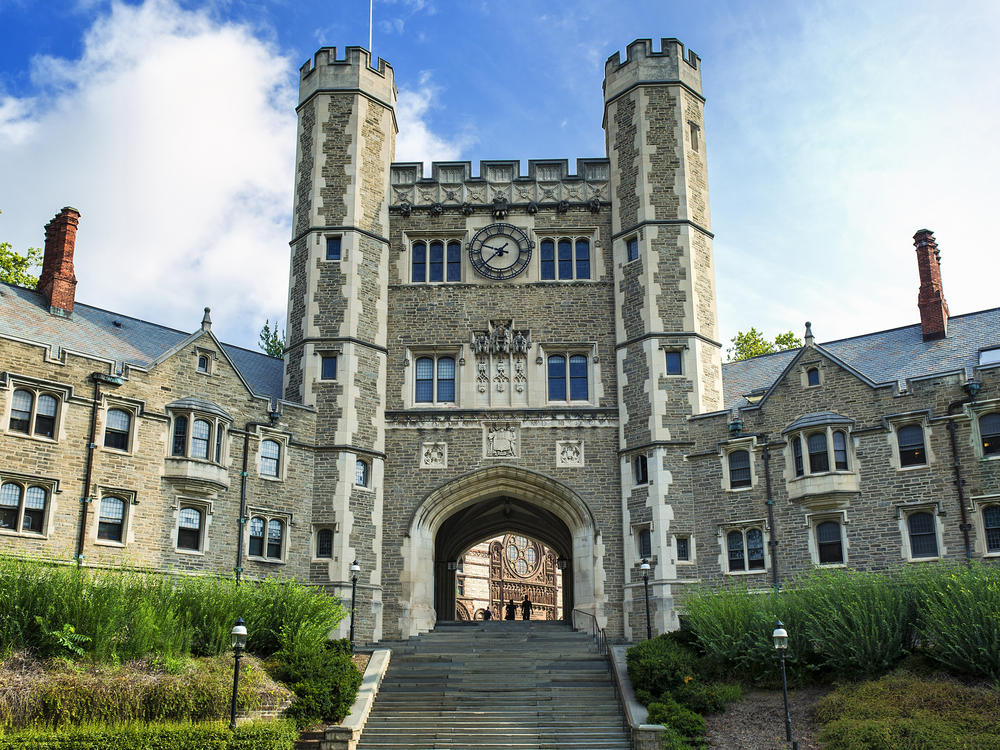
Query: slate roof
x=816 y=418
x=24 y=314
x=884 y=357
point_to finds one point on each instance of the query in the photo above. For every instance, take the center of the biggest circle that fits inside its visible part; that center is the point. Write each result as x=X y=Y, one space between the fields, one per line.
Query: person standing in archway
x=511 y=610
x=526 y=608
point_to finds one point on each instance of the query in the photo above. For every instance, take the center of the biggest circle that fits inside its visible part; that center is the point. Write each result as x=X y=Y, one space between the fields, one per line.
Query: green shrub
x=658 y=665
x=959 y=625
x=264 y=735
x=705 y=698
x=324 y=679
x=683 y=721
x=673 y=741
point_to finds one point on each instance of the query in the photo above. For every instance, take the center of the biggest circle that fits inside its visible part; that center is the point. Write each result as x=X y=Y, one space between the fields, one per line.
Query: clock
x=500 y=251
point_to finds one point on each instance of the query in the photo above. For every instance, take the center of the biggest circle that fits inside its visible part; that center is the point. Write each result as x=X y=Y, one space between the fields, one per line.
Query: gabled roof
x=892 y=356
x=100 y=333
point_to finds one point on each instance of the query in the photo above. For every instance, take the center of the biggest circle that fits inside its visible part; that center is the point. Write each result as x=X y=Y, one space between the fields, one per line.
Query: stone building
x=471 y=355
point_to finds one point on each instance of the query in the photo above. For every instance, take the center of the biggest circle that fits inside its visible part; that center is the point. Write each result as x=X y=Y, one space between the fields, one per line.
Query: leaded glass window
x=270 y=455
x=435 y=266
x=739 y=469
x=578 y=386
x=446 y=379
x=565 y=259
x=840 y=451
x=819 y=460
x=180 y=436
x=737 y=554
x=10 y=505
x=557 y=378
x=324 y=543
x=454 y=261
x=991 y=525
x=45 y=416
x=257 y=536
x=548 y=260
x=361 y=473
x=829 y=543
x=582 y=259
x=111 y=522
x=189 y=528
x=419 y=271
x=923 y=535
x=275 y=538
x=911 y=445
x=20 y=411
x=797 y=455
x=201 y=431
x=117 y=429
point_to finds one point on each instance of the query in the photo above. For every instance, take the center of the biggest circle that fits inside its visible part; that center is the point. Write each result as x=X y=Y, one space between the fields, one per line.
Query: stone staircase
x=493 y=685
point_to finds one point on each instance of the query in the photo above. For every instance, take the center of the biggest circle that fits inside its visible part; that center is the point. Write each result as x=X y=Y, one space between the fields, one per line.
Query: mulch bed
x=757 y=721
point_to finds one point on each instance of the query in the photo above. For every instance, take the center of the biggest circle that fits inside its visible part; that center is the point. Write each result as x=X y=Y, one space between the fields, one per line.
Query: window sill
x=322 y=560
x=108 y=543
x=42 y=438
x=991 y=457
x=115 y=451
x=914 y=467
x=182 y=551
x=829 y=565
x=684 y=562
x=740 y=489
x=363 y=488
x=267 y=478
x=265 y=560
x=23 y=534
x=992 y=555
x=746 y=572
x=923 y=559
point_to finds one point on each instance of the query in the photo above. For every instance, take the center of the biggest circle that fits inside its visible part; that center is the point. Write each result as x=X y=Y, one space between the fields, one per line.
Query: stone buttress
x=668 y=354
x=337 y=306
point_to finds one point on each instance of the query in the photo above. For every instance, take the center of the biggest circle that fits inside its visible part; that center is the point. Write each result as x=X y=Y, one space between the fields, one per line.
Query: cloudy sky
x=835 y=130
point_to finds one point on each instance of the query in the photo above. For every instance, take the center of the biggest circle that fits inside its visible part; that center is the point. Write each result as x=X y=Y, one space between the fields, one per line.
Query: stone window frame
x=694 y=133
x=133 y=409
x=282 y=439
x=410 y=376
x=803 y=435
x=128 y=497
x=630 y=242
x=640 y=469
x=25 y=481
x=445 y=237
x=218 y=436
x=980 y=504
x=314 y=542
x=903 y=513
x=573 y=236
x=669 y=349
x=638 y=530
x=209 y=356
x=897 y=422
x=340 y=254
x=545 y=351
x=748 y=444
x=267 y=516
x=743 y=527
x=207 y=508
x=367 y=463
x=692 y=556
x=813 y=520
x=36 y=388
x=976 y=414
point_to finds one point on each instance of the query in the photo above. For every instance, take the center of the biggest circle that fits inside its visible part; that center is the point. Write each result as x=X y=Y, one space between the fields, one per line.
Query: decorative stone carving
x=569 y=453
x=501 y=378
x=563 y=207
x=483 y=378
x=594 y=205
x=520 y=377
x=502 y=440
x=437 y=209
x=532 y=208
x=501 y=207
x=434 y=455
x=520 y=342
x=466 y=209
x=405 y=209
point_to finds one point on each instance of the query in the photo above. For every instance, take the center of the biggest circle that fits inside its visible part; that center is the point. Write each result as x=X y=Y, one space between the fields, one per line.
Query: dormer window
x=203 y=363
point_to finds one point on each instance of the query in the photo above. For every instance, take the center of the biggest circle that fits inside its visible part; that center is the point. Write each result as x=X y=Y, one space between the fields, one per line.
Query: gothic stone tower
x=668 y=354
x=337 y=313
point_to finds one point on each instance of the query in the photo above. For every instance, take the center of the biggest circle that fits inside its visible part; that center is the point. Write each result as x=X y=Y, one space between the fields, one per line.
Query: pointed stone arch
x=485 y=502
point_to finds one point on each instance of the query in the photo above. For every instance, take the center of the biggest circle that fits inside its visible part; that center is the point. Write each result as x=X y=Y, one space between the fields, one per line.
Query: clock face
x=500 y=251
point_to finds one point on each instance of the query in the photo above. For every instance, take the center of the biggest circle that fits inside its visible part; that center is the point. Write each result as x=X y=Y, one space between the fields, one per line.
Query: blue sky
x=834 y=130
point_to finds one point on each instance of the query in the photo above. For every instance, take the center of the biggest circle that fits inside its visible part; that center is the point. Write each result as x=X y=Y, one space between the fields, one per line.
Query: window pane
x=911 y=445
x=734 y=541
x=202 y=363
x=923 y=538
x=190 y=518
x=435 y=270
x=328 y=368
x=673 y=363
x=683 y=548
x=180 y=435
x=991 y=523
x=579 y=390
x=633 y=249
x=419 y=262
x=270 y=452
x=275 y=535
x=45 y=416
x=10 y=503
x=257 y=536
x=333 y=248
x=989 y=430
x=645 y=543
x=548 y=254
x=829 y=544
x=117 y=428
x=813 y=375
x=840 y=451
x=755 y=549
x=425 y=380
x=557 y=378
x=582 y=259
x=818 y=459
x=739 y=469
x=324 y=543
x=199 y=438
x=361 y=473
x=20 y=411
x=565 y=259
x=189 y=529
x=641 y=470
x=454 y=261
x=446 y=380
x=111 y=519
x=797 y=453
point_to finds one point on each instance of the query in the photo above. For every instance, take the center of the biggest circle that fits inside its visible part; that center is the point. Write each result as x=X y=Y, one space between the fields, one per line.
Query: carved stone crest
x=434 y=456
x=569 y=453
x=502 y=440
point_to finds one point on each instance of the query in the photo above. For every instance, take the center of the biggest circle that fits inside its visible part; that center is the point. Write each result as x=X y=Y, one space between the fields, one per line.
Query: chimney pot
x=930 y=299
x=58 y=280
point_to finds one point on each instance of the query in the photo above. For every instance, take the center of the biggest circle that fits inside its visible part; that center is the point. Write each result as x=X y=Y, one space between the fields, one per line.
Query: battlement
x=325 y=72
x=643 y=64
x=506 y=170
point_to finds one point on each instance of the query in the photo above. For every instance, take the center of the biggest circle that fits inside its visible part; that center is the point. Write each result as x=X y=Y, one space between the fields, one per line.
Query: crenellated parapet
x=325 y=72
x=644 y=65
x=547 y=183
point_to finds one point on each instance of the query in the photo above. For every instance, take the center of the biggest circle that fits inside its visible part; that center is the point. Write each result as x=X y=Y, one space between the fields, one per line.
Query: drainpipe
x=85 y=501
x=773 y=541
x=972 y=388
x=242 y=520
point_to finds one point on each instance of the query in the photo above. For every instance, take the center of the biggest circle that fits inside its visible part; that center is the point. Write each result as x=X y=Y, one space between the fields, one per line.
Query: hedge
x=259 y=735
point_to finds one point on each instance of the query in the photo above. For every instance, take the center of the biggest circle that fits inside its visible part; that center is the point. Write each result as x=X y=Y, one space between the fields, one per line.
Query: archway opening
x=529 y=553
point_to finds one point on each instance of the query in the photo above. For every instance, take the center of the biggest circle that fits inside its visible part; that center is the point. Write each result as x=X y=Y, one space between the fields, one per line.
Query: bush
x=658 y=665
x=683 y=721
x=323 y=678
x=673 y=741
x=705 y=698
x=269 y=735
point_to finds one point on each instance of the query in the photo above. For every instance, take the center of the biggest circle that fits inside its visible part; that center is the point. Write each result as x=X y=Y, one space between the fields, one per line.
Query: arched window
x=361 y=473
x=840 y=451
x=446 y=379
x=270 y=454
x=911 y=445
x=797 y=454
x=991 y=525
x=819 y=459
x=35 y=499
x=573 y=381
x=201 y=431
x=454 y=261
x=203 y=363
x=812 y=376
x=548 y=260
x=275 y=538
x=180 y=436
x=746 y=549
x=117 y=429
x=739 y=469
x=565 y=259
x=579 y=389
x=425 y=380
x=557 y=378
x=257 y=536
x=10 y=505
x=324 y=543
x=582 y=259
x=923 y=536
x=829 y=543
x=189 y=523
x=989 y=431
x=435 y=268
x=111 y=522
x=20 y=411
x=419 y=272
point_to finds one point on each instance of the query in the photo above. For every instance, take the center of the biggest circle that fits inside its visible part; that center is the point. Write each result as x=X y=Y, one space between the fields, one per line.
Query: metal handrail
x=600 y=637
x=601 y=641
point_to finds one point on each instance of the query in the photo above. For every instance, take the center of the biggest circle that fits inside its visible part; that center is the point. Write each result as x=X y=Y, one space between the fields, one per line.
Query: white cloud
x=416 y=141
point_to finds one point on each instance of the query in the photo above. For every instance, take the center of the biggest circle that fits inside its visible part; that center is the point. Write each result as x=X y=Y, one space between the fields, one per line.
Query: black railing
x=601 y=642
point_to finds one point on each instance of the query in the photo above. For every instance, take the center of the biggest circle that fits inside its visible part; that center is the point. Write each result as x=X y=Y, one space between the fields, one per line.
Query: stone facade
x=425 y=405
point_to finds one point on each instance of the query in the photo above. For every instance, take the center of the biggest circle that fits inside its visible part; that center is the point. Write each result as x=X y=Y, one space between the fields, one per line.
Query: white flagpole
x=370 y=4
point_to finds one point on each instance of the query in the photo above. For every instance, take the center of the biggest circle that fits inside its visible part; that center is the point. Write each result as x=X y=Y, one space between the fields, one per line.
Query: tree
x=753 y=344
x=14 y=267
x=270 y=342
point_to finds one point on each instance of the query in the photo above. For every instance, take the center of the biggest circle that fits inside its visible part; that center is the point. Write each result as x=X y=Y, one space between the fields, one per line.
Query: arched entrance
x=486 y=503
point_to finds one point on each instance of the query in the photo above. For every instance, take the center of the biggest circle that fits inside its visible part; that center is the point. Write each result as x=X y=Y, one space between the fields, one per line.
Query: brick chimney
x=930 y=300
x=58 y=280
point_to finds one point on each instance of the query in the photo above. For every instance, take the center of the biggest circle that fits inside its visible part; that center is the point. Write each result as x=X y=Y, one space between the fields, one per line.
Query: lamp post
x=780 y=636
x=355 y=569
x=645 y=582
x=239 y=641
